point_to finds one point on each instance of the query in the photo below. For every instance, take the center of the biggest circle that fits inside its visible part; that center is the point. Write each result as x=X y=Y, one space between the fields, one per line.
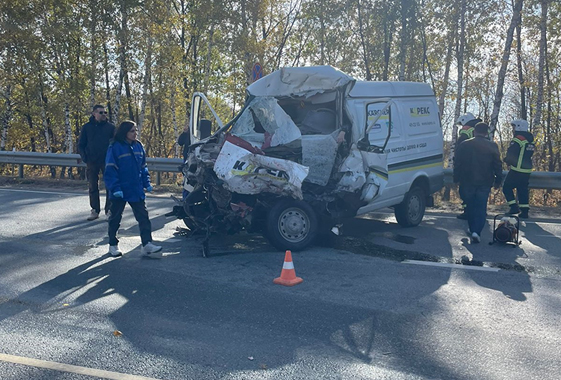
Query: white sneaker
x=475 y=237
x=152 y=250
x=115 y=251
x=93 y=215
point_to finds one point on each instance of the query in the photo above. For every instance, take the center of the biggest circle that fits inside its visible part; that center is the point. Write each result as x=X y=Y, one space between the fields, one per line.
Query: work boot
x=514 y=209
x=93 y=215
x=524 y=213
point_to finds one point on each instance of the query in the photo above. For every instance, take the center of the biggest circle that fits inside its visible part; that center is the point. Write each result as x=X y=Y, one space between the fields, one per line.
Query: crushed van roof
x=300 y=81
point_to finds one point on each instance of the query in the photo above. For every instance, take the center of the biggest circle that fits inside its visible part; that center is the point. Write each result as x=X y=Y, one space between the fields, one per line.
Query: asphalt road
x=361 y=312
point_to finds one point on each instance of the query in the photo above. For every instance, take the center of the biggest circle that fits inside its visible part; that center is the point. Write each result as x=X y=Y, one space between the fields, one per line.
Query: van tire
x=291 y=225
x=410 y=212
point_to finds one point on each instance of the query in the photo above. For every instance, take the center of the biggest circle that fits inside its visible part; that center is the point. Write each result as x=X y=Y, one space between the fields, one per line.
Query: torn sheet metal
x=319 y=153
x=301 y=81
x=264 y=121
x=246 y=173
x=352 y=169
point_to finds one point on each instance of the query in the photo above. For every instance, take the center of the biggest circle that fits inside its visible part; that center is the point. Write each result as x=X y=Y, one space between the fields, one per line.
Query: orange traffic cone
x=288 y=275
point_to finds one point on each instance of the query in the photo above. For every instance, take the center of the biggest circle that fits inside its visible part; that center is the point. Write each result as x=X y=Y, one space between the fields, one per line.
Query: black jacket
x=94 y=140
x=184 y=140
x=520 y=151
x=478 y=163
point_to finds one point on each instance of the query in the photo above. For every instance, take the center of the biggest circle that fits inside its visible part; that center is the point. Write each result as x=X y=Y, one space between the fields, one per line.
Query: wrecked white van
x=311 y=147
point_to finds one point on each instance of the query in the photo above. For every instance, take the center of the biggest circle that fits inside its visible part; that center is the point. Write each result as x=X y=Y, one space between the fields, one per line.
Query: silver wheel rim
x=294 y=225
x=414 y=208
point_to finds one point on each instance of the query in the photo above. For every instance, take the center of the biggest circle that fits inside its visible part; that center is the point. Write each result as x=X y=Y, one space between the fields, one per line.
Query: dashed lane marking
x=99 y=373
x=448 y=265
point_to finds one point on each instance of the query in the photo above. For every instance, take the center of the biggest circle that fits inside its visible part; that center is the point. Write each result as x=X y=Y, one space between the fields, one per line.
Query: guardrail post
x=21 y=170
x=158 y=178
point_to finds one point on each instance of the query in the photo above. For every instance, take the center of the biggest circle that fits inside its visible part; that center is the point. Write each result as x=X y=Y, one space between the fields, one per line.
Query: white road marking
x=43 y=192
x=99 y=373
x=448 y=265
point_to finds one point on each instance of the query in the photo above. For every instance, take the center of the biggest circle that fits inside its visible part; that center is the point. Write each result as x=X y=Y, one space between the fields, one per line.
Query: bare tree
x=504 y=64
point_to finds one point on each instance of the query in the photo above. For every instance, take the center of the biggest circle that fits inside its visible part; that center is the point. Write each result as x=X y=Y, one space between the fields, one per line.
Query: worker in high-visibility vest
x=519 y=159
x=467 y=122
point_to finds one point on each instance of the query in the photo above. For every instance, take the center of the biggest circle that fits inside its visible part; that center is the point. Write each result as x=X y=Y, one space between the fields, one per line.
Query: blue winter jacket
x=126 y=171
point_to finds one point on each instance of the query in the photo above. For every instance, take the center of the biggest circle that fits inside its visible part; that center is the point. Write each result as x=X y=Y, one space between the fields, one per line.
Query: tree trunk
x=523 y=111
x=145 y=86
x=388 y=40
x=404 y=39
x=107 y=88
x=208 y=58
x=174 y=121
x=122 y=58
x=365 y=52
x=504 y=64
x=543 y=45
x=459 y=93
x=129 y=96
x=44 y=119
x=7 y=117
x=93 y=51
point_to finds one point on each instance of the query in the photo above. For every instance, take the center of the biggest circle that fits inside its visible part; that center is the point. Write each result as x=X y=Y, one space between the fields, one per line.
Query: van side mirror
x=364 y=144
x=205 y=128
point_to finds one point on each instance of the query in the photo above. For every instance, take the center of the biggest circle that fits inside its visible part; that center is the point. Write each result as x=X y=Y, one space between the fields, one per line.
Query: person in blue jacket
x=126 y=177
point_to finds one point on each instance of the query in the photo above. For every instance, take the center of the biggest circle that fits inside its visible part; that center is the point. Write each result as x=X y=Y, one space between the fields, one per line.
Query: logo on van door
x=419 y=111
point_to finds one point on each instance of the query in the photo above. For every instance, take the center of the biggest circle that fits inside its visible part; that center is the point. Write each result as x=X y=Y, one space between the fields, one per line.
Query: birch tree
x=504 y=64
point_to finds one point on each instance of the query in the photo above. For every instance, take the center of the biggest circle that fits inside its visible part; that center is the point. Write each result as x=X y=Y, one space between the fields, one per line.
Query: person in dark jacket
x=126 y=177
x=92 y=145
x=467 y=122
x=477 y=167
x=184 y=140
x=519 y=159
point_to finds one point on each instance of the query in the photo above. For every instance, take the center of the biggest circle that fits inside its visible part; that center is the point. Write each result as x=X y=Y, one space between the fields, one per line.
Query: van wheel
x=291 y=225
x=410 y=212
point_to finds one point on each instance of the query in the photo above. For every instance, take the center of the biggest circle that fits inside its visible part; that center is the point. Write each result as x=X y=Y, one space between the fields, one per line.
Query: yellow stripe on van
x=416 y=167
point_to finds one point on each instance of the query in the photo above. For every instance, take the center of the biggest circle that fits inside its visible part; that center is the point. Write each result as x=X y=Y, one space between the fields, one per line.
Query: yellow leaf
x=117 y=333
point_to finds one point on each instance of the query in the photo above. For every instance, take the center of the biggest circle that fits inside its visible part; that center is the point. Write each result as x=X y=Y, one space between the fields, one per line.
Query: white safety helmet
x=464 y=119
x=520 y=125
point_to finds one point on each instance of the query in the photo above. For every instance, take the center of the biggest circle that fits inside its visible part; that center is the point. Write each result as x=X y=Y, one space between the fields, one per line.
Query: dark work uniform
x=92 y=145
x=477 y=167
x=519 y=157
x=465 y=133
x=184 y=140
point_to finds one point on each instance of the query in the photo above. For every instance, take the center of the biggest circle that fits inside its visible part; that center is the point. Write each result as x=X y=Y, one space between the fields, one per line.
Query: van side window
x=379 y=132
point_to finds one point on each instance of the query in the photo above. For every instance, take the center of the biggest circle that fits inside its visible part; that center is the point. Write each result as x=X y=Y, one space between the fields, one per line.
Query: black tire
x=291 y=225
x=410 y=212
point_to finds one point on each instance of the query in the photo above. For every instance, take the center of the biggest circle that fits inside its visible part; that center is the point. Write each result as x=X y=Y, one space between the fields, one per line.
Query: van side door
x=204 y=121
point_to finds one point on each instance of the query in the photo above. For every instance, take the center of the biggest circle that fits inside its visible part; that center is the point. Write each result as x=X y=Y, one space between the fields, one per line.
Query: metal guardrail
x=155 y=164
x=538 y=180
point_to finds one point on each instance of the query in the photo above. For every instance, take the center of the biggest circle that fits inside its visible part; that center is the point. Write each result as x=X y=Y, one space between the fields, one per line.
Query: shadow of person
x=541 y=233
x=506 y=259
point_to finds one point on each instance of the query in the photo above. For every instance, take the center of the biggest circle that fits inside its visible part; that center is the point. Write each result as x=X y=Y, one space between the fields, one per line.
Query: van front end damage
x=287 y=166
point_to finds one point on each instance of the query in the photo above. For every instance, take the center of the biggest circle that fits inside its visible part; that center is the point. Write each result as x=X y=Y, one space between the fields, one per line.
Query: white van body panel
x=415 y=148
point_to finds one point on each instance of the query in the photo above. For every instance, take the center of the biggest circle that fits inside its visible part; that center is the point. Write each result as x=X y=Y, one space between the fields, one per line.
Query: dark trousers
x=463 y=201
x=476 y=205
x=140 y=214
x=518 y=181
x=92 y=173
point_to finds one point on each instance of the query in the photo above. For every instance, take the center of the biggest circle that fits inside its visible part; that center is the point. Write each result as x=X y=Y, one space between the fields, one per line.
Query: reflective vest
x=465 y=133
x=520 y=151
